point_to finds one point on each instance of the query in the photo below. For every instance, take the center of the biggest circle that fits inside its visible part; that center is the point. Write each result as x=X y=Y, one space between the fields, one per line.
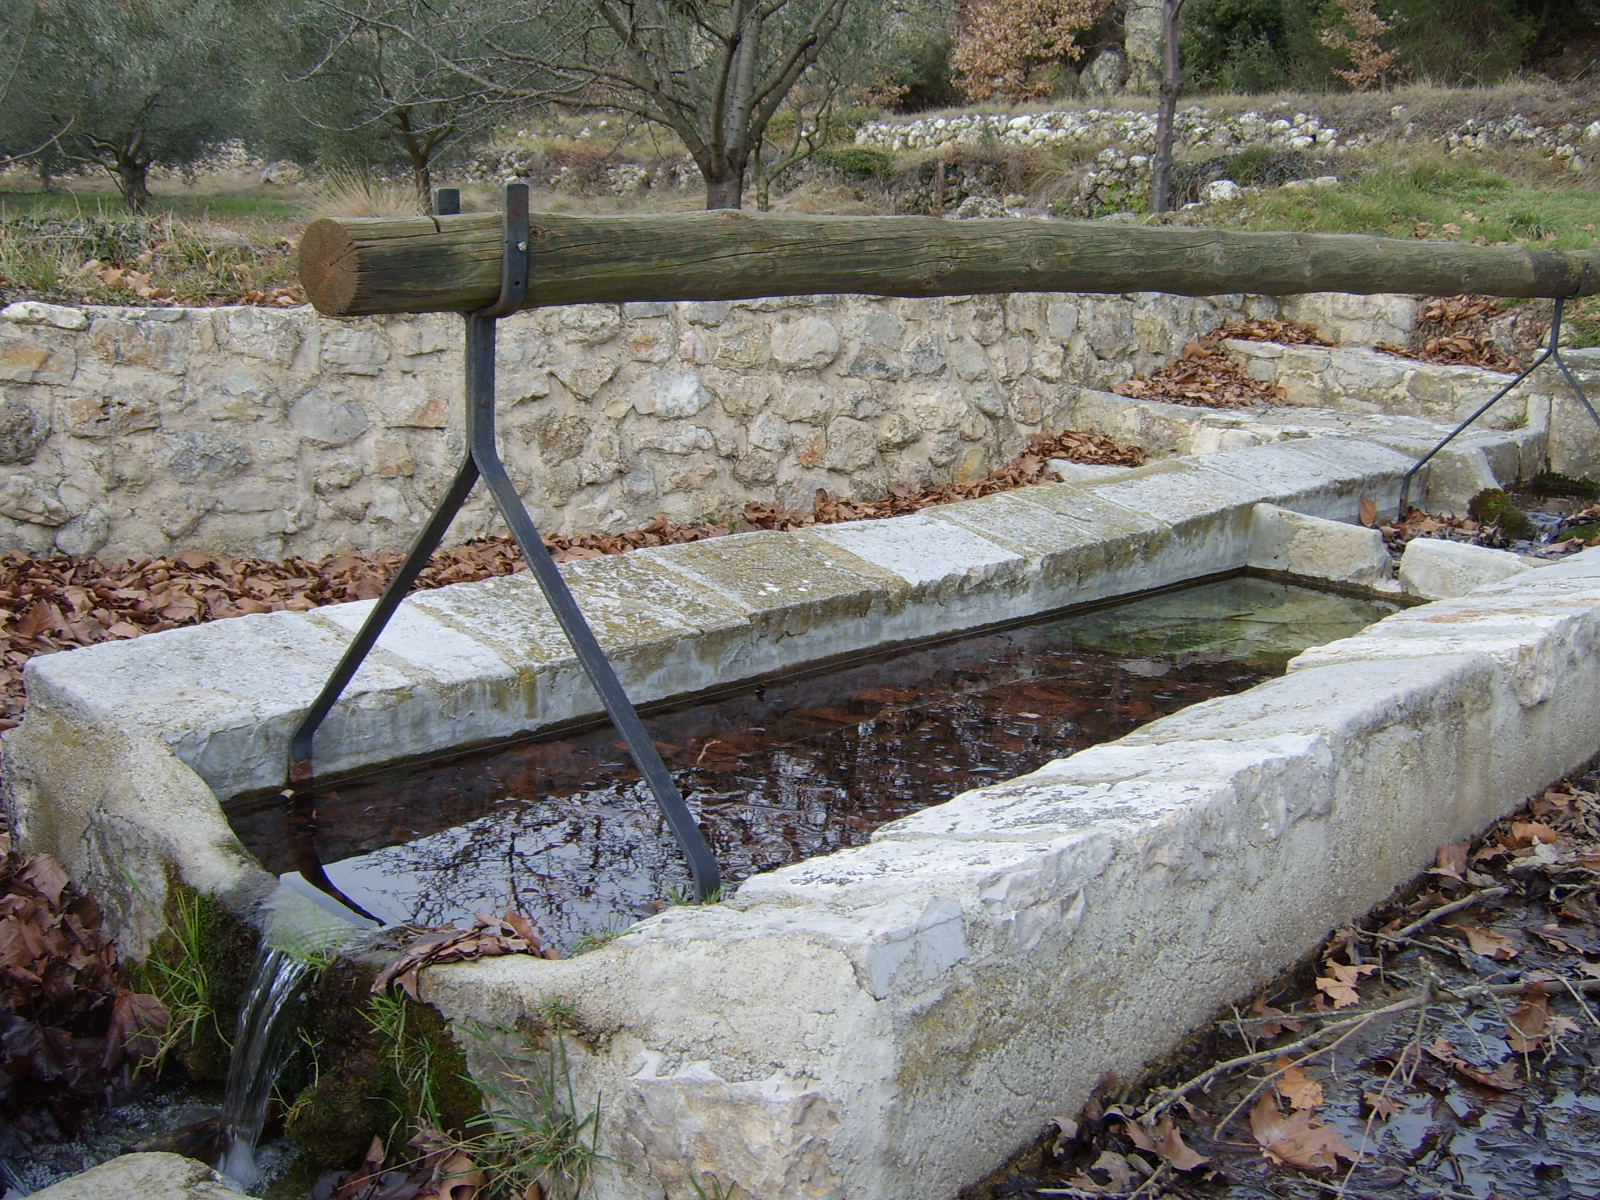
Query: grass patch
x=1439 y=198
x=85 y=204
x=84 y=250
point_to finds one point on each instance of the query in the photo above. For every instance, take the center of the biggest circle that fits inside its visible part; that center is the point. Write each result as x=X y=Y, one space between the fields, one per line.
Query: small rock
x=1440 y=570
x=33 y=312
x=1219 y=190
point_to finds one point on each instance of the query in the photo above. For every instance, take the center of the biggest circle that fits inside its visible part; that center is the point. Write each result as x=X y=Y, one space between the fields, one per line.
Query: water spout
x=299 y=934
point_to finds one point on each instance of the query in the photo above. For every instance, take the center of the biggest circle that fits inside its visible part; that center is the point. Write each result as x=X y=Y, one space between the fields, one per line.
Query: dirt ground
x=1448 y=1045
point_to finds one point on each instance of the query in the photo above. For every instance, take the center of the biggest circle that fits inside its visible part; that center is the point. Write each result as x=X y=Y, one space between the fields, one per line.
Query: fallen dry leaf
x=1339 y=984
x=1298 y=1088
x=1296 y=1138
x=1172 y=1149
x=487 y=938
x=1529 y=1022
x=1381 y=1103
x=1502 y=1078
x=1487 y=942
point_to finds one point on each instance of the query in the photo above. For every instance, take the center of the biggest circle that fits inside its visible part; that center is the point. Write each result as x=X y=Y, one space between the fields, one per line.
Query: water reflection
x=564 y=832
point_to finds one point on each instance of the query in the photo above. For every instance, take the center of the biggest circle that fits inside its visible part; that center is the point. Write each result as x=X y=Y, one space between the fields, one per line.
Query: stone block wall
x=140 y=431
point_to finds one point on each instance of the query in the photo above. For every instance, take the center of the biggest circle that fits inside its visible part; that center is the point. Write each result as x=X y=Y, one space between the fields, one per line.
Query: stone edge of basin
x=894 y=1020
x=485 y=661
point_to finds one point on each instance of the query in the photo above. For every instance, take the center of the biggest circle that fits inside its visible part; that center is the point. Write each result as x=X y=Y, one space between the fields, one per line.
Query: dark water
x=563 y=831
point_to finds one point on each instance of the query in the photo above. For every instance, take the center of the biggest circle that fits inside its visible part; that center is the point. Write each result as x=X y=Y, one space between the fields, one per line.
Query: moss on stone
x=1554 y=483
x=1493 y=507
x=200 y=970
x=367 y=1083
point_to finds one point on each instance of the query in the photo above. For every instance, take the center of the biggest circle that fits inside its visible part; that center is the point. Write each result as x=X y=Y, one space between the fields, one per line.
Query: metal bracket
x=482 y=460
x=1553 y=350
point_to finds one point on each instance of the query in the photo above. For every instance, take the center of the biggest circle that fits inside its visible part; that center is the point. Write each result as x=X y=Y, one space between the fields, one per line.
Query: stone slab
x=1107 y=902
x=1436 y=569
x=1312 y=548
x=143 y=1177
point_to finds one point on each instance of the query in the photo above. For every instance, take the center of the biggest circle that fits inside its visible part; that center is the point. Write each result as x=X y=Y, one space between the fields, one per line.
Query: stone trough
x=894 y=1020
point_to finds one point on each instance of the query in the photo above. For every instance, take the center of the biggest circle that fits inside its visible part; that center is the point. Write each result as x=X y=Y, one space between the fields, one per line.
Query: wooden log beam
x=358 y=267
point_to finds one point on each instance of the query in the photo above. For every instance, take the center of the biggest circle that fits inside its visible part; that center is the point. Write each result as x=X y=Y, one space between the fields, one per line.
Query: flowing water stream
x=301 y=933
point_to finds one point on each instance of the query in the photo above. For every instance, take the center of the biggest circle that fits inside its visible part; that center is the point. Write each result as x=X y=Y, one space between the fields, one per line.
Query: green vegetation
x=533 y=1130
x=1431 y=197
x=1554 y=483
x=1493 y=507
x=73 y=249
x=593 y=939
x=84 y=204
x=857 y=162
x=392 y=1068
x=198 y=969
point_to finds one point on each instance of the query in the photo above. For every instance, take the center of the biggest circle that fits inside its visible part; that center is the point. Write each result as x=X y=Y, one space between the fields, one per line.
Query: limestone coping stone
x=1436 y=569
x=147 y=1176
x=921 y=1005
x=1480 y=457
x=1310 y=547
x=1078 y=545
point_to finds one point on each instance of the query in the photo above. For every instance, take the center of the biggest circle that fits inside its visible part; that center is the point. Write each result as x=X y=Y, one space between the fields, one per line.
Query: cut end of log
x=327 y=267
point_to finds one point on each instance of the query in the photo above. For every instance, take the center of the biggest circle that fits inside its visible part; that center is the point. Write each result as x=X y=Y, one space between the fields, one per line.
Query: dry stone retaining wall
x=139 y=431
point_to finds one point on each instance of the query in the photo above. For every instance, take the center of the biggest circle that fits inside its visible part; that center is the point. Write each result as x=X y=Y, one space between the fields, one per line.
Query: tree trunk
x=724 y=191
x=453 y=264
x=1166 y=112
x=419 y=152
x=133 y=181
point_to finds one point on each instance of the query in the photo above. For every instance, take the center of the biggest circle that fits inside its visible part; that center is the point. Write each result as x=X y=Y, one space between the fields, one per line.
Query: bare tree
x=713 y=72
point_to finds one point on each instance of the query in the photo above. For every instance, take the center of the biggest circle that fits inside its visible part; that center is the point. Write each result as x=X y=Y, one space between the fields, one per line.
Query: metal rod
x=426 y=543
x=482 y=460
x=480 y=376
x=1553 y=350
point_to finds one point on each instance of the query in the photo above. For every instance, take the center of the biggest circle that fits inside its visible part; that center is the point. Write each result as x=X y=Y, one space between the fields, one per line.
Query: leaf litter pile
x=1447 y=1046
x=59 y=602
x=1473 y=331
x=1205 y=375
x=71 y=1030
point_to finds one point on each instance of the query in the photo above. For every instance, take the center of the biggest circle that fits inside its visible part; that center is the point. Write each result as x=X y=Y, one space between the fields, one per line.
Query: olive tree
x=379 y=83
x=130 y=84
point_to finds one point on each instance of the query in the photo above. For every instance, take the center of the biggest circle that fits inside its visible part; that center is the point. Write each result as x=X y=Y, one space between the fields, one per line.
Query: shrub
x=857 y=162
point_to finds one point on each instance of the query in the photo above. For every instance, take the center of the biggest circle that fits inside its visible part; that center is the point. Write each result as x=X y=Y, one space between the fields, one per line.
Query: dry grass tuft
x=347 y=192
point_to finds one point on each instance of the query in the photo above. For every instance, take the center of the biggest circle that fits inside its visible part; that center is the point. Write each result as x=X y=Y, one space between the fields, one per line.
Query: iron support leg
x=480 y=386
x=483 y=460
x=1553 y=350
x=426 y=543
